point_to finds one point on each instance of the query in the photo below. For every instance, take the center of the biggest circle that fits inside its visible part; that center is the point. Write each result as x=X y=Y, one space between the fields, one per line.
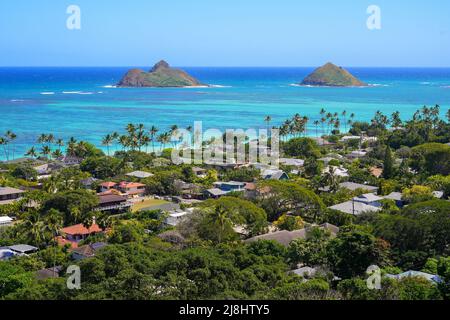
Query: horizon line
x=197 y=66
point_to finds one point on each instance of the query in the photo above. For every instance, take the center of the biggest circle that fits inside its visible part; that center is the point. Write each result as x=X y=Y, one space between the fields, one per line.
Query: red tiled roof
x=128 y=185
x=80 y=229
x=108 y=184
x=62 y=242
x=250 y=186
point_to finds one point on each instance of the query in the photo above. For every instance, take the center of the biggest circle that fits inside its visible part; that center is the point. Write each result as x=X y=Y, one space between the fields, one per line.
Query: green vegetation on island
x=330 y=75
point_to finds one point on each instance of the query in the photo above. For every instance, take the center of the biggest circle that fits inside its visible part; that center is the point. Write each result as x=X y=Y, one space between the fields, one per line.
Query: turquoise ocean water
x=82 y=103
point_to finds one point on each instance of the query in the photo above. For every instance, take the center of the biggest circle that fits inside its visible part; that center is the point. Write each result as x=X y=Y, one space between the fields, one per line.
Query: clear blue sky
x=225 y=33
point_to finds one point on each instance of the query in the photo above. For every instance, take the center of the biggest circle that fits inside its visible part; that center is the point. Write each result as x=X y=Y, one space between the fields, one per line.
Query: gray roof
x=305 y=272
x=7 y=190
x=23 y=248
x=368 y=197
x=397 y=196
x=411 y=273
x=292 y=162
x=286 y=237
x=140 y=174
x=230 y=183
x=354 y=207
x=216 y=192
x=354 y=186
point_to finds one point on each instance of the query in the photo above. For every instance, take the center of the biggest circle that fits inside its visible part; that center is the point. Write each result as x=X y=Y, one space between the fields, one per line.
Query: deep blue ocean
x=82 y=102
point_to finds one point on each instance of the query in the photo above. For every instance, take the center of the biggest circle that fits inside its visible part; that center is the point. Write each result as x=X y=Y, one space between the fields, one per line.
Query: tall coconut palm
x=11 y=137
x=31 y=152
x=4 y=143
x=344 y=115
x=46 y=151
x=153 y=131
x=316 y=124
x=267 y=120
x=107 y=141
x=60 y=143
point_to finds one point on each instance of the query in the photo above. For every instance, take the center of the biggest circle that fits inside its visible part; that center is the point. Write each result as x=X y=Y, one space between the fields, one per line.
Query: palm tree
x=316 y=124
x=124 y=141
x=57 y=154
x=329 y=178
x=46 y=151
x=222 y=217
x=34 y=228
x=11 y=136
x=42 y=139
x=107 y=141
x=4 y=143
x=153 y=131
x=448 y=115
x=31 y=152
x=344 y=115
x=60 y=143
x=267 y=120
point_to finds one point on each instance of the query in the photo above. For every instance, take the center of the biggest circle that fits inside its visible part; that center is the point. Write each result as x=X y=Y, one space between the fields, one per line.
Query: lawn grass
x=146 y=204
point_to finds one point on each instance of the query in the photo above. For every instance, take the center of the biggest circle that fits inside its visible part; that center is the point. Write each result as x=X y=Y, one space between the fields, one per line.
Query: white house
x=5 y=221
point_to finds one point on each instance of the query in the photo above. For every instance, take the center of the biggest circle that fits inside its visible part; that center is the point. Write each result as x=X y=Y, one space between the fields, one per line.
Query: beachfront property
x=70 y=161
x=9 y=195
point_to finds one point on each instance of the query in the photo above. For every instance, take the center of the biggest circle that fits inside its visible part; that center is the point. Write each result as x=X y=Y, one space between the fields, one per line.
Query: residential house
x=357 y=154
x=338 y=171
x=131 y=189
x=274 y=175
x=376 y=172
x=222 y=188
x=139 y=174
x=9 y=195
x=408 y=274
x=230 y=186
x=285 y=237
x=199 y=172
x=298 y=163
x=5 y=221
x=49 y=273
x=369 y=199
x=113 y=203
x=6 y=253
x=23 y=249
x=397 y=197
x=88 y=183
x=175 y=217
x=70 y=161
x=106 y=186
x=355 y=186
x=74 y=234
x=354 y=207
x=87 y=251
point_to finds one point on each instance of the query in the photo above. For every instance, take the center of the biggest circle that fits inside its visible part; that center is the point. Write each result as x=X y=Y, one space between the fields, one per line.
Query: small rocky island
x=331 y=75
x=160 y=76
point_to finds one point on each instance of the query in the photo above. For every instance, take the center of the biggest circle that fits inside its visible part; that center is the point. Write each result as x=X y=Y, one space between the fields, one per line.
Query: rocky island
x=331 y=75
x=160 y=76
